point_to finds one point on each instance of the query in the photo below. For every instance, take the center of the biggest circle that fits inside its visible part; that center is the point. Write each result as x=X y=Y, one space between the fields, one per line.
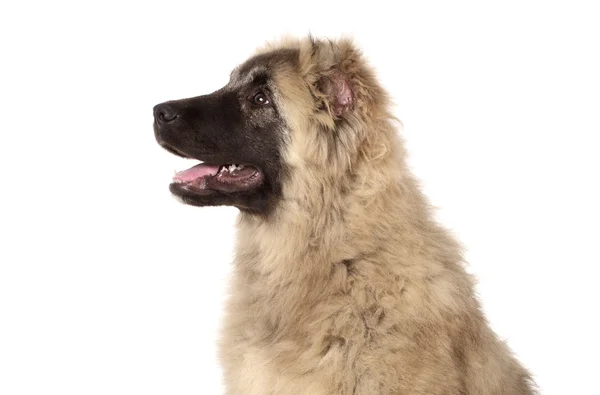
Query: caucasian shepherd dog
x=343 y=282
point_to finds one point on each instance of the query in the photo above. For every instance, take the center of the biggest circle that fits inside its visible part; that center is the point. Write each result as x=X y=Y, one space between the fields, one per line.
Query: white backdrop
x=109 y=286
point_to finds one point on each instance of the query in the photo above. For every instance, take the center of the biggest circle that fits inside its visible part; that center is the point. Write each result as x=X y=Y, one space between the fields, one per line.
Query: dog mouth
x=207 y=178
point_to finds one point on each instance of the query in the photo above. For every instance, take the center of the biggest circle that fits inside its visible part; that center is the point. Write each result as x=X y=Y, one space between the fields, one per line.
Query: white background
x=109 y=286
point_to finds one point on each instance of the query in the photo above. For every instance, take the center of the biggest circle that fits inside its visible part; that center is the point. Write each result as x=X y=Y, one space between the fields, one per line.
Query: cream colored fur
x=349 y=287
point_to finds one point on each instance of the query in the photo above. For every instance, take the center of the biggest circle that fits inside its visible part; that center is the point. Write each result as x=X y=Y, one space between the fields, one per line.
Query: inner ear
x=339 y=93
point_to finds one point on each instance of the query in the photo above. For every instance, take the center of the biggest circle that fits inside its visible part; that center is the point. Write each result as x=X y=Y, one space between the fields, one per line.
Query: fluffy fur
x=349 y=287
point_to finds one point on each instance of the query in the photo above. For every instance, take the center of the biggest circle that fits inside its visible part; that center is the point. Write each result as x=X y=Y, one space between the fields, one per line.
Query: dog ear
x=338 y=91
x=340 y=80
x=331 y=83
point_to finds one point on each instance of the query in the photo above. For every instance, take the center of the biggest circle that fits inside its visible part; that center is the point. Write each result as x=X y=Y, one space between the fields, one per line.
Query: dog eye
x=260 y=99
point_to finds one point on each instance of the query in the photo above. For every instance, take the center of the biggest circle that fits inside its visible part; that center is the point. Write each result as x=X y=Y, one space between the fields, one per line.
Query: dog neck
x=315 y=224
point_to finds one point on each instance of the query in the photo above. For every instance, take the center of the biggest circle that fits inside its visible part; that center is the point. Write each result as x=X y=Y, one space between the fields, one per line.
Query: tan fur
x=349 y=286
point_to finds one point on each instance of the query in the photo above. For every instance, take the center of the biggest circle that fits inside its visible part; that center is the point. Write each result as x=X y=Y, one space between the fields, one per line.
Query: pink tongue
x=195 y=172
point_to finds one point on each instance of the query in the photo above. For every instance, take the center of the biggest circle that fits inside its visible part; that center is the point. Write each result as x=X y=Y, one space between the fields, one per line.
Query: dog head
x=290 y=108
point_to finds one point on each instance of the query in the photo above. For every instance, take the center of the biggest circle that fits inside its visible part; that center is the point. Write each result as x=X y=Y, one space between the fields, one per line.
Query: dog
x=343 y=282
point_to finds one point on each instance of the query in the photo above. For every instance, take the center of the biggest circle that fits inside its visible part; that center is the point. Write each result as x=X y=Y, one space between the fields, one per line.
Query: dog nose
x=164 y=113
